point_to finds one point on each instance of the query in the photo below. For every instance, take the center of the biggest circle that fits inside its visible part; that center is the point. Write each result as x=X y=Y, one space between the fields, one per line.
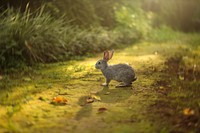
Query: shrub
x=27 y=38
x=162 y=34
x=133 y=24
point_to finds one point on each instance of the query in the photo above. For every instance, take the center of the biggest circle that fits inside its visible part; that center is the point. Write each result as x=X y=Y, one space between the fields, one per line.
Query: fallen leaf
x=89 y=100
x=1 y=77
x=188 y=112
x=101 y=110
x=59 y=100
x=95 y=97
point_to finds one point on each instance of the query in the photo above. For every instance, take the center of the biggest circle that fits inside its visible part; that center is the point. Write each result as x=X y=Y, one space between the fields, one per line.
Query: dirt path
x=148 y=106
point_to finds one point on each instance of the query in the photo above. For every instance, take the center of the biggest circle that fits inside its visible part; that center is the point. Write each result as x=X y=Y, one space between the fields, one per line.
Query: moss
x=127 y=109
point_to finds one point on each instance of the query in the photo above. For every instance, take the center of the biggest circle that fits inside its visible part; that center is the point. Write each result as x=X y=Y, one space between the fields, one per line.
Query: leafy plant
x=132 y=23
x=38 y=37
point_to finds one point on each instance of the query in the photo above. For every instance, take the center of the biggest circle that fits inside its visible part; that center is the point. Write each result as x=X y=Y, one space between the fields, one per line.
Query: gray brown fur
x=120 y=72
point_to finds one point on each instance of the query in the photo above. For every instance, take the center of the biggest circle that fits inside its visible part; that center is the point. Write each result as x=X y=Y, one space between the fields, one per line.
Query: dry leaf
x=1 y=77
x=101 y=110
x=94 y=97
x=188 y=111
x=59 y=100
x=89 y=100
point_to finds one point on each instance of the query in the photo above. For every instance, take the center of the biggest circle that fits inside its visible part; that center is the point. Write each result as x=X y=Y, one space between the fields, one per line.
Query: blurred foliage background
x=49 y=30
x=183 y=15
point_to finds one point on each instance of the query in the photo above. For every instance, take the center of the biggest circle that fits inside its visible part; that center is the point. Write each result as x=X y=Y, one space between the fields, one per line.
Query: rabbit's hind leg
x=124 y=84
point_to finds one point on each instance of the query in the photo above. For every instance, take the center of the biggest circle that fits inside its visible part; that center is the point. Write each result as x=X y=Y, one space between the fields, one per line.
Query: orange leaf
x=188 y=111
x=59 y=100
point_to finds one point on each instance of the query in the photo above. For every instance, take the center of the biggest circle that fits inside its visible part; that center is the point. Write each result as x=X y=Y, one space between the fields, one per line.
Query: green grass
x=166 y=34
x=32 y=37
x=154 y=104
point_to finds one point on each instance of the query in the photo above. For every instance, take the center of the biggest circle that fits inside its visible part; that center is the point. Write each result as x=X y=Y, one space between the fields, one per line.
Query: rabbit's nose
x=96 y=66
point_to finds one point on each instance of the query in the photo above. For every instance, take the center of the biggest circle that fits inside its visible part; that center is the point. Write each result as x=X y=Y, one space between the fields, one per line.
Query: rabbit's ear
x=106 y=55
x=111 y=54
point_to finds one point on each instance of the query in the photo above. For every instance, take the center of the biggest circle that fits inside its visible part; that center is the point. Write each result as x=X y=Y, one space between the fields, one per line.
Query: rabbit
x=119 y=72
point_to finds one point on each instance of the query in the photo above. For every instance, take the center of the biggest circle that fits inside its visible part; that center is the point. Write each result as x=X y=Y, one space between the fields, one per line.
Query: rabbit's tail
x=135 y=78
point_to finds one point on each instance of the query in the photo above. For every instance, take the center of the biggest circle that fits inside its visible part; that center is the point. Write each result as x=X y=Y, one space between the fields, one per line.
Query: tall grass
x=166 y=34
x=27 y=38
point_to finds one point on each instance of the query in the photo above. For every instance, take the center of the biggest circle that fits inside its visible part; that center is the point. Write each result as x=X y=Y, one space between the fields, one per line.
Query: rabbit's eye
x=99 y=62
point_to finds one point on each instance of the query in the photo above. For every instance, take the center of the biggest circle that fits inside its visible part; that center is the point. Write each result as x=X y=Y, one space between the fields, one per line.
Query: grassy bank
x=32 y=37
